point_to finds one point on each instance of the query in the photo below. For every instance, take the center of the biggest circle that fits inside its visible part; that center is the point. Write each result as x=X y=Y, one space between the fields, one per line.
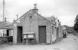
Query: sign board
x=31 y=36
x=25 y=36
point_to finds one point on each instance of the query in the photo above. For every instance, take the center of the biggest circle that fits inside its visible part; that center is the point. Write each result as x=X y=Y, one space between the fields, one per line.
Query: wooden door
x=19 y=34
x=42 y=34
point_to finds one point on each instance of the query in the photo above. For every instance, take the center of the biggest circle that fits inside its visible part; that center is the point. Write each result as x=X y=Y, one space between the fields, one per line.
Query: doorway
x=42 y=34
x=7 y=32
x=8 y=36
x=19 y=34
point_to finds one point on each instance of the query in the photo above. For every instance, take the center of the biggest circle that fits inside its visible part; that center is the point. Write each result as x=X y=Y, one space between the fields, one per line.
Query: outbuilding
x=32 y=27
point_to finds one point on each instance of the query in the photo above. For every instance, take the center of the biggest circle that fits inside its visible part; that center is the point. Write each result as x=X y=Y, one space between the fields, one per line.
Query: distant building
x=4 y=28
x=31 y=27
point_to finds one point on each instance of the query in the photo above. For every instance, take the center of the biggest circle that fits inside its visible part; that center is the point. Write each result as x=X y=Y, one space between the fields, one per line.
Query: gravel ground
x=69 y=43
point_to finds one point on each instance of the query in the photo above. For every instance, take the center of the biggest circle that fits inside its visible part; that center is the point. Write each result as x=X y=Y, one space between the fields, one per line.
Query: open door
x=7 y=32
x=8 y=35
x=19 y=34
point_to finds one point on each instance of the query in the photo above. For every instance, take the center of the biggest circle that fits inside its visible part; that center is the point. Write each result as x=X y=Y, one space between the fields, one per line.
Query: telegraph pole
x=4 y=18
x=3 y=10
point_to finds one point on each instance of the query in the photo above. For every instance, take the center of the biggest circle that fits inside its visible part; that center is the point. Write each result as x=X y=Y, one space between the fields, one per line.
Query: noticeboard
x=28 y=36
x=25 y=36
x=31 y=36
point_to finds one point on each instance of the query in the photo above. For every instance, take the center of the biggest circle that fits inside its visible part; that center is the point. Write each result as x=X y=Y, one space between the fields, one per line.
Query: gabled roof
x=24 y=15
x=6 y=25
x=31 y=13
x=43 y=17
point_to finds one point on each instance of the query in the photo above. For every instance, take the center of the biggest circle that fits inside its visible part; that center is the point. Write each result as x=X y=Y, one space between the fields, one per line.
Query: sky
x=64 y=10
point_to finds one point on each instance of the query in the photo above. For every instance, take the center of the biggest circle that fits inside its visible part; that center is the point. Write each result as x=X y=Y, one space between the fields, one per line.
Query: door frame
x=21 y=27
x=39 y=32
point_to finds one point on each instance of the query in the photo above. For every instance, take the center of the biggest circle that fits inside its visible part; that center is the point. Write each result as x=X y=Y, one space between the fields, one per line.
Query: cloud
x=65 y=10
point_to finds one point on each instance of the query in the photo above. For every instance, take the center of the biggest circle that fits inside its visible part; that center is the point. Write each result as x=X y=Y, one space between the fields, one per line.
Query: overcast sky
x=64 y=10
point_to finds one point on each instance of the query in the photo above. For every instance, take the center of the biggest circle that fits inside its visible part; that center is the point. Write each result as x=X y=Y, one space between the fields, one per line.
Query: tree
x=76 y=24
